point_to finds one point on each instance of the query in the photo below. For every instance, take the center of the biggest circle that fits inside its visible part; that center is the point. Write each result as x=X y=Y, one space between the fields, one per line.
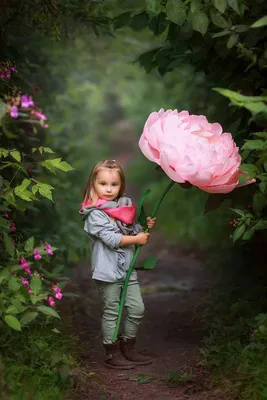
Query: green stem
x=129 y=272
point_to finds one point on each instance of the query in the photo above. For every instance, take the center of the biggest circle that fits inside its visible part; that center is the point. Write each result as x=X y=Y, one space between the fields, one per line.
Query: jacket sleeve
x=137 y=228
x=98 y=224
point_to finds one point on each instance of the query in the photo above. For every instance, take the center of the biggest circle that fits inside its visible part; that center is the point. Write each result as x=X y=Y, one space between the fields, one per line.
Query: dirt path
x=170 y=333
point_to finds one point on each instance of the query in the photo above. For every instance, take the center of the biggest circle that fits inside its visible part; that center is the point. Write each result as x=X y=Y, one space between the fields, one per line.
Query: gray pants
x=110 y=294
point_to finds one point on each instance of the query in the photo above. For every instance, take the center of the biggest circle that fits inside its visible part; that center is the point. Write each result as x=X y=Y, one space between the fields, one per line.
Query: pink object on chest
x=125 y=214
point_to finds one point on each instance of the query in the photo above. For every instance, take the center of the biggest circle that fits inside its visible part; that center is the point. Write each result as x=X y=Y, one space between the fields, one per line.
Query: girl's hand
x=142 y=238
x=150 y=222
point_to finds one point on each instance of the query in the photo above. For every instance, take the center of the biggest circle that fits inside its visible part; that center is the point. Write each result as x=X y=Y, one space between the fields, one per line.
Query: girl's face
x=107 y=184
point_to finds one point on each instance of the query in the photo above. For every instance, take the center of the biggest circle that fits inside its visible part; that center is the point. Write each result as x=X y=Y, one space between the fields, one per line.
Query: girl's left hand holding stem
x=150 y=222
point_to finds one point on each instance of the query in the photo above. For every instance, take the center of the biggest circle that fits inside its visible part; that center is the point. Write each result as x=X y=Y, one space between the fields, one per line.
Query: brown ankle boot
x=129 y=352
x=114 y=358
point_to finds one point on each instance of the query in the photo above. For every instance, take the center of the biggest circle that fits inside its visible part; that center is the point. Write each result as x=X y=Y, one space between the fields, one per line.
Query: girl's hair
x=89 y=193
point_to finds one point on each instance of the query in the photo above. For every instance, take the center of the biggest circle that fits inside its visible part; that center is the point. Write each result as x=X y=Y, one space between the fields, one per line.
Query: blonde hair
x=89 y=193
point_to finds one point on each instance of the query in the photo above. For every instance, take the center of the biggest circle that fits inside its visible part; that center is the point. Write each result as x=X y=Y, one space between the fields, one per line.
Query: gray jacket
x=109 y=262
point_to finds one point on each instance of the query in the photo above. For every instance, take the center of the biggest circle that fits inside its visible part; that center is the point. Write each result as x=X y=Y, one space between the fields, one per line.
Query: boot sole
x=122 y=367
x=142 y=362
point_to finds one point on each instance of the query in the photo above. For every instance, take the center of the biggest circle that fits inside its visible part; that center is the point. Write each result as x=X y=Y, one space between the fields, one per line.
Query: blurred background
x=97 y=69
x=97 y=99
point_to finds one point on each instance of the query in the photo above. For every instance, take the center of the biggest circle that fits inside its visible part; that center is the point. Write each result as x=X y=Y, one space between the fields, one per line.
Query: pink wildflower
x=50 y=300
x=56 y=288
x=48 y=248
x=23 y=261
x=57 y=291
x=233 y=223
x=26 y=101
x=30 y=290
x=13 y=227
x=14 y=112
x=25 y=266
x=38 y=114
x=31 y=102
x=29 y=272
x=37 y=254
x=5 y=214
x=6 y=70
x=24 y=281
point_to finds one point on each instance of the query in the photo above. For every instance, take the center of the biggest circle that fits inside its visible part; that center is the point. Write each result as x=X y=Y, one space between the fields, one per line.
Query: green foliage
x=53 y=18
x=236 y=327
x=225 y=35
x=42 y=363
x=30 y=278
x=148 y=264
x=176 y=11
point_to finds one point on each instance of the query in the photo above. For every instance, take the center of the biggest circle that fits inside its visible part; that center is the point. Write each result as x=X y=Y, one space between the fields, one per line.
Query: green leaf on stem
x=56 y=163
x=4 y=223
x=148 y=263
x=237 y=211
x=48 y=311
x=22 y=192
x=248 y=234
x=176 y=11
x=4 y=274
x=195 y=5
x=28 y=317
x=12 y=310
x=260 y=23
x=36 y=284
x=13 y=322
x=234 y=5
x=29 y=244
x=14 y=284
x=260 y=225
x=238 y=232
x=255 y=144
x=220 y=5
x=233 y=39
x=45 y=190
x=200 y=22
x=15 y=154
x=9 y=246
x=218 y=20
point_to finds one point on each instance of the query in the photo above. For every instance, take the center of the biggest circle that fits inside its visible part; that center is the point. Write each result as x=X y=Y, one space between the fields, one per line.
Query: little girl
x=109 y=221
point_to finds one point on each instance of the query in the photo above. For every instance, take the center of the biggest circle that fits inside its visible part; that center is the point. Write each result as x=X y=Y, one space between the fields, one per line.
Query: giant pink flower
x=190 y=149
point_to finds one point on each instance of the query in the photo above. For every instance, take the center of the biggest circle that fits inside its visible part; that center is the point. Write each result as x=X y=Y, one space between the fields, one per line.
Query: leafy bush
x=31 y=278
